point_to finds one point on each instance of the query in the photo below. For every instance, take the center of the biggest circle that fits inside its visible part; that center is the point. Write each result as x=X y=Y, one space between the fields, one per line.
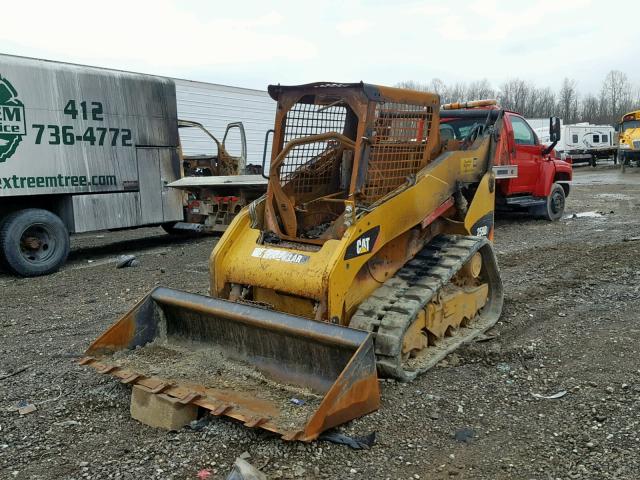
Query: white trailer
x=581 y=142
x=85 y=149
x=214 y=107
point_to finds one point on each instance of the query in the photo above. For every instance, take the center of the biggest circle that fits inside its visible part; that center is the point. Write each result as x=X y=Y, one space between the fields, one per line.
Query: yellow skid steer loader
x=369 y=255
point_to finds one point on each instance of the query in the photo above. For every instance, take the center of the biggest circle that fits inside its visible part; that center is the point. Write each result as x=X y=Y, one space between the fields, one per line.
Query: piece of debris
x=297 y=401
x=67 y=422
x=124 y=261
x=203 y=474
x=245 y=456
x=560 y=394
x=197 y=425
x=243 y=470
x=25 y=408
x=631 y=239
x=503 y=367
x=15 y=372
x=464 y=435
x=299 y=471
x=484 y=338
x=585 y=215
x=357 y=443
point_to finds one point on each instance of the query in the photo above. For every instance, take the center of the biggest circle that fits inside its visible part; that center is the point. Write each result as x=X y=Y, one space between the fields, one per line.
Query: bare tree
x=616 y=95
x=546 y=102
x=568 y=101
x=438 y=86
x=515 y=95
x=590 y=109
x=413 y=85
x=456 y=93
x=480 y=90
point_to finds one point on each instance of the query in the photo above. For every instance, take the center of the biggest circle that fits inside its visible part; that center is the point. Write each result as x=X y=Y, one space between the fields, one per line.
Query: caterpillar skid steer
x=369 y=254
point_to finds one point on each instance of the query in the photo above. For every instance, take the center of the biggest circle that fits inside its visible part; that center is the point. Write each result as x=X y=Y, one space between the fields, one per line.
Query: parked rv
x=583 y=142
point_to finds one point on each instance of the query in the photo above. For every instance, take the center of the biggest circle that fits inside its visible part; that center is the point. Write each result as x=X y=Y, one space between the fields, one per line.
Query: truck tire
x=3 y=261
x=553 y=209
x=33 y=242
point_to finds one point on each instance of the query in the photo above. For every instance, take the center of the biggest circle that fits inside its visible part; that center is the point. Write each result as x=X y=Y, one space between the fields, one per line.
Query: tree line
x=617 y=96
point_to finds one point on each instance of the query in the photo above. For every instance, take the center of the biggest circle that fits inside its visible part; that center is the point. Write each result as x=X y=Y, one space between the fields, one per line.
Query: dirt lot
x=570 y=323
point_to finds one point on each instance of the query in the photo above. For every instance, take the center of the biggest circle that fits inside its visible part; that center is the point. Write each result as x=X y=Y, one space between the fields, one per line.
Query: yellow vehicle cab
x=629 y=139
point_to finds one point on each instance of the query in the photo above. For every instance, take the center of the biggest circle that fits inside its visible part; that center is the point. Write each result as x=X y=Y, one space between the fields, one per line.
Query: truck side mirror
x=554 y=129
x=554 y=134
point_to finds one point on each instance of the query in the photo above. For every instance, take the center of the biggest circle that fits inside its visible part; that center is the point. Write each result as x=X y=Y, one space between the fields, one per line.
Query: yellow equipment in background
x=629 y=139
x=368 y=254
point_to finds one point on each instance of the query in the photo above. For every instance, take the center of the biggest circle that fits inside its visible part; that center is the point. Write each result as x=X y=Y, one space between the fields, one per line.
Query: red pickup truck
x=534 y=179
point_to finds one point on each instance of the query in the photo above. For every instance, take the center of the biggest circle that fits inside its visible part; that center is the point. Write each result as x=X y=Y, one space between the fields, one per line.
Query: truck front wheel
x=553 y=209
x=33 y=242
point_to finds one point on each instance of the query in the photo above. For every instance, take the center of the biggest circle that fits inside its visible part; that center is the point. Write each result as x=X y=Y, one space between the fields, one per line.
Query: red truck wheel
x=553 y=209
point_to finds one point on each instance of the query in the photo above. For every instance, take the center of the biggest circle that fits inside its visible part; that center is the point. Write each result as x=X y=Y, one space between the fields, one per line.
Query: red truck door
x=526 y=153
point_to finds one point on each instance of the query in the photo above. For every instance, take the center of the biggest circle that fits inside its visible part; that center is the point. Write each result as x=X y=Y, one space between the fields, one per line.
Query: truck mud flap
x=286 y=374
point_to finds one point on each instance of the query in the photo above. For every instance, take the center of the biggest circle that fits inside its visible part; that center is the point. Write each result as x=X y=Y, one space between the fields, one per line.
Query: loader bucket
x=286 y=374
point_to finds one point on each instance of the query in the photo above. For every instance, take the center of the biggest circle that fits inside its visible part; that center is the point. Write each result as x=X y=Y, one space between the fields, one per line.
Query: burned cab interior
x=337 y=152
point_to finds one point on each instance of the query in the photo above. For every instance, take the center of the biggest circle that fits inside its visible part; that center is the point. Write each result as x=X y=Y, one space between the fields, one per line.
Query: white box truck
x=85 y=149
x=81 y=149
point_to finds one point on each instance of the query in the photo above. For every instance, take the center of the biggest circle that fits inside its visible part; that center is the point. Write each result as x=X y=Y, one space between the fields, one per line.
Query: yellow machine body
x=318 y=279
x=369 y=248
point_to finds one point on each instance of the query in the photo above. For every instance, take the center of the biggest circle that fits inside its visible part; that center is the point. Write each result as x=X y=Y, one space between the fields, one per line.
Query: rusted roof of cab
x=372 y=92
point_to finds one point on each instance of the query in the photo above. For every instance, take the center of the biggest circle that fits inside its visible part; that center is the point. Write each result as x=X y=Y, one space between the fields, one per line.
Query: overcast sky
x=254 y=43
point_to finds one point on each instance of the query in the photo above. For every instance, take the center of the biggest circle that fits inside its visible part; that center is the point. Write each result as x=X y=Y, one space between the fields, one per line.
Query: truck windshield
x=630 y=124
x=458 y=128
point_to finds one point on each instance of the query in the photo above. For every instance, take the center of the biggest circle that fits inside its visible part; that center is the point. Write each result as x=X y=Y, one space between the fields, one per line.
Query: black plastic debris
x=357 y=443
x=124 y=261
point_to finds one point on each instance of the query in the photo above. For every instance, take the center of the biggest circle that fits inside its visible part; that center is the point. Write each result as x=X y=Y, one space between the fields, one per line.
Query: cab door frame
x=526 y=153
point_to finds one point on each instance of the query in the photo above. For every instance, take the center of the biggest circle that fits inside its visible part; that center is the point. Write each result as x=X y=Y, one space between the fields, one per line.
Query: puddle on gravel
x=583 y=215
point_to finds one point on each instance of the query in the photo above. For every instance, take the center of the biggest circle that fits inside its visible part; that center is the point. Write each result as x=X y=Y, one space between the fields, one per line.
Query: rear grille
x=397 y=149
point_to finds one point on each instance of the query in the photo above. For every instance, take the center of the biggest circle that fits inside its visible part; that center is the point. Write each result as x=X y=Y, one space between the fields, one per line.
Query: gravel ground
x=569 y=324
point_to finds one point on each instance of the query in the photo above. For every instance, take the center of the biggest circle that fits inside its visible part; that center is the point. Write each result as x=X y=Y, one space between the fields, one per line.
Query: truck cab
x=537 y=181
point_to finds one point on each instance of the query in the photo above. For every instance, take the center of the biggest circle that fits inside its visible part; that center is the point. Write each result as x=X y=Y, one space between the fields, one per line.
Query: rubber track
x=391 y=309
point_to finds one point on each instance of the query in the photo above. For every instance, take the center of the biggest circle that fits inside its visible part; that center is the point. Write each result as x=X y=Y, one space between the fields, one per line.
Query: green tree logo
x=12 y=122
